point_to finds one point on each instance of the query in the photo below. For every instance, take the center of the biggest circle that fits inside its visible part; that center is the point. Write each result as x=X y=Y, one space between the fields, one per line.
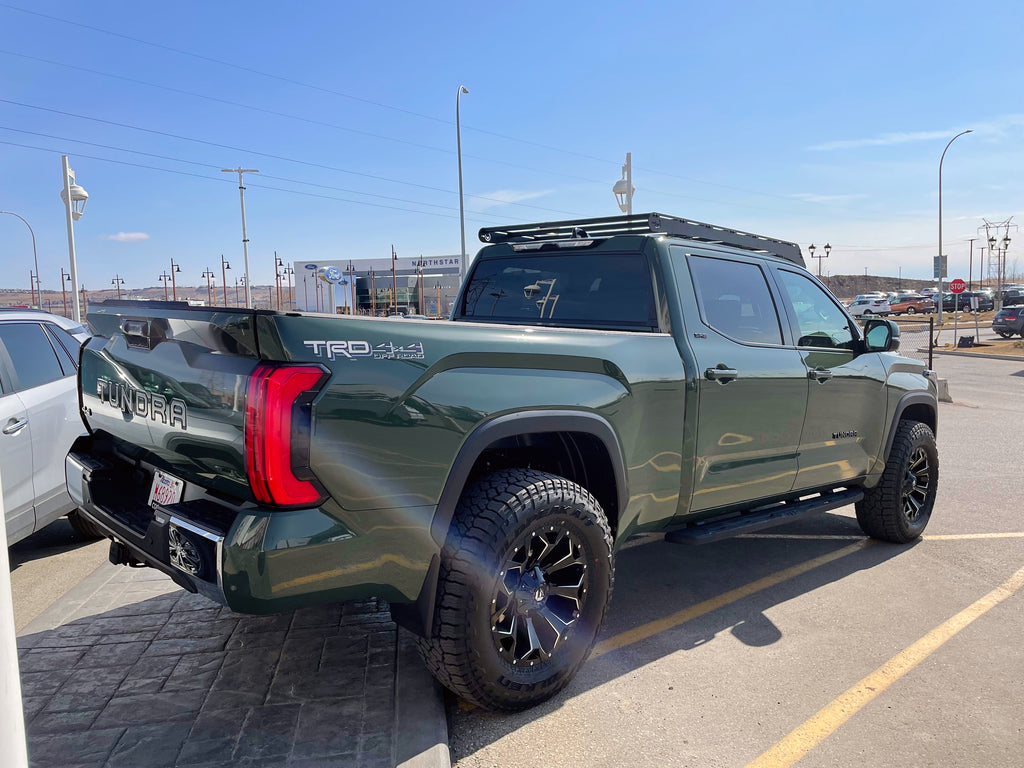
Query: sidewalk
x=128 y=670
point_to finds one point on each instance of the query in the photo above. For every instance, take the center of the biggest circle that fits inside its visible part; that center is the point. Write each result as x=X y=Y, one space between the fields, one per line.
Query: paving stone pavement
x=130 y=671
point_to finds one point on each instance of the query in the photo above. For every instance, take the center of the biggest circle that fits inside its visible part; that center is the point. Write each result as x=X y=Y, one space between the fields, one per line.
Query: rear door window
x=31 y=353
x=734 y=299
x=584 y=290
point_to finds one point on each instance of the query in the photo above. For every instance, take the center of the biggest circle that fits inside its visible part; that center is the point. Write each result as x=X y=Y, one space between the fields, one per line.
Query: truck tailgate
x=171 y=381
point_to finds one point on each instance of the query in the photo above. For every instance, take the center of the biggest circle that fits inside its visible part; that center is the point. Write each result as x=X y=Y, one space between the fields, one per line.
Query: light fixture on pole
x=64 y=278
x=74 y=198
x=117 y=282
x=224 y=267
x=208 y=274
x=277 y=279
x=288 y=272
x=163 y=278
x=462 y=210
x=393 y=304
x=823 y=255
x=245 y=240
x=624 y=189
x=943 y=157
x=35 y=258
x=174 y=285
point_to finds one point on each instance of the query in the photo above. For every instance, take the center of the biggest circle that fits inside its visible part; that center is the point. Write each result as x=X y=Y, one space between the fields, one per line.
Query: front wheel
x=899 y=507
x=911 y=311
x=526 y=577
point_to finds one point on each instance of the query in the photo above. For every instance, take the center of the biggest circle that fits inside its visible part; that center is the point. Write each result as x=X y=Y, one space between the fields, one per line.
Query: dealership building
x=423 y=285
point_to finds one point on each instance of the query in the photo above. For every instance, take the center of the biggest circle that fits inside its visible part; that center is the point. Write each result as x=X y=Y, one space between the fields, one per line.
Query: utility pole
x=970 y=267
x=245 y=240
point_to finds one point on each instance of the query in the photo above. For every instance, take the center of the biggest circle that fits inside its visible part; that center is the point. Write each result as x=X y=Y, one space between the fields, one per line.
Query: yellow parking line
x=844 y=537
x=801 y=741
x=652 y=628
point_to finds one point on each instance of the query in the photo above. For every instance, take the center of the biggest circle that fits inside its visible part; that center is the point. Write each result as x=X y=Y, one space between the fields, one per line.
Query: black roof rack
x=642 y=223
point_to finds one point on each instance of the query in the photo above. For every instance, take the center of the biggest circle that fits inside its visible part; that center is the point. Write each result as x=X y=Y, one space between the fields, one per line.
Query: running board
x=777 y=514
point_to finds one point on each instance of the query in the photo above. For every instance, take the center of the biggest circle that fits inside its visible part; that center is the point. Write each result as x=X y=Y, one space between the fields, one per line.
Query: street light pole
x=174 y=285
x=943 y=157
x=208 y=274
x=74 y=205
x=289 y=271
x=118 y=281
x=827 y=250
x=65 y=277
x=277 y=279
x=163 y=278
x=35 y=258
x=394 y=275
x=245 y=239
x=224 y=267
x=462 y=210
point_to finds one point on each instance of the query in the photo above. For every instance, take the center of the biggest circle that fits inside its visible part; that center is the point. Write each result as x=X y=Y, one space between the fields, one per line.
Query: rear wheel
x=1008 y=335
x=526 y=577
x=899 y=507
x=911 y=311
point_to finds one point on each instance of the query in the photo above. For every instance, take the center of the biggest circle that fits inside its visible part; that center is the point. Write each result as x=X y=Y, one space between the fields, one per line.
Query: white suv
x=870 y=306
x=39 y=419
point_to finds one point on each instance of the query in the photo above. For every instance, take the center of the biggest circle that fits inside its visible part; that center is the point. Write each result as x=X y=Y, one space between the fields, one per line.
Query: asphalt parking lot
x=808 y=644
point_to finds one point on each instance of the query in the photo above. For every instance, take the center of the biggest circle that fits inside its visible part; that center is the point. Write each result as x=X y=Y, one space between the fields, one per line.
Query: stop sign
x=957 y=286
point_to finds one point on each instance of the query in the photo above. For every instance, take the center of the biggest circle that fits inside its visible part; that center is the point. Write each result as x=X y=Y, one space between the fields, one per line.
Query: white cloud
x=127 y=237
x=885 y=140
x=810 y=197
x=506 y=197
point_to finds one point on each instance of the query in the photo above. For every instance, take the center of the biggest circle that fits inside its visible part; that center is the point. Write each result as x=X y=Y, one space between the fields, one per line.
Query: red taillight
x=277 y=433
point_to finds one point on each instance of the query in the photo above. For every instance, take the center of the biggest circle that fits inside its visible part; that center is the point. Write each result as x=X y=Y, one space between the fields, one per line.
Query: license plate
x=166 y=489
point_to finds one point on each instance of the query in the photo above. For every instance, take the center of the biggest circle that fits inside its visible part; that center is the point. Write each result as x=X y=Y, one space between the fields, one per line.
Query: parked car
x=962 y=301
x=870 y=306
x=1008 y=321
x=39 y=419
x=911 y=304
x=928 y=291
x=1013 y=297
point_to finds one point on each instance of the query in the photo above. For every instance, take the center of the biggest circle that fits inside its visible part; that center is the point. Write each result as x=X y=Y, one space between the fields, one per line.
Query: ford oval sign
x=330 y=275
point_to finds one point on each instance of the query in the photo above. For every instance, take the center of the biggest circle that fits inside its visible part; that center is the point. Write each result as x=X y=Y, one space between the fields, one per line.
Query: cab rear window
x=607 y=291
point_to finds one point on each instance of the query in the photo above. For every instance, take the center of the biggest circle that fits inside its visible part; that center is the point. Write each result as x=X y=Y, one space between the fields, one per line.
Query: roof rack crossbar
x=641 y=224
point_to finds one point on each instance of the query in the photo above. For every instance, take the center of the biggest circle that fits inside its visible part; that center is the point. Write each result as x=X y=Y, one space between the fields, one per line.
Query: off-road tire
x=898 y=508
x=502 y=517
x=85 y=529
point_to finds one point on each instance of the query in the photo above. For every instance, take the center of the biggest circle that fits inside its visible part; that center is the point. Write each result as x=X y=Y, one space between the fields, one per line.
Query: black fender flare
x=522 y=423
x=909 y=399
x=418 y=616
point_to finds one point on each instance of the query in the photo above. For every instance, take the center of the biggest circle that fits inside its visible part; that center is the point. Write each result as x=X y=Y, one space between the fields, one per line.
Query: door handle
x=820 y=375
x=15 y=426
x=721 y=373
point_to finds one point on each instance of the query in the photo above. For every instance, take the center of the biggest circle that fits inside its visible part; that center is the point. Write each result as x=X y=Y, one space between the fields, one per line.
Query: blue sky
x=806 y=121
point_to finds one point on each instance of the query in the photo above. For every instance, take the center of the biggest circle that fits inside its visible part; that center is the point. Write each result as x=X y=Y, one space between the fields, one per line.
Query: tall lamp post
x=74 y=198
x=245 y=239
x=943 y=157
x=208 y=274
x=117 y=282
x=163 y=278
x=64 y=278
x=824 y=255
x=224 y=267
x=277 y=279
x=462 y=210
x=35 y=258
x=174 y=285
x=288 y=272
x=623 y=189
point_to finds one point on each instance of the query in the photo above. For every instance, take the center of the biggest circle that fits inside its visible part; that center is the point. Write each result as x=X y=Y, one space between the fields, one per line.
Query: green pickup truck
x=598 y=379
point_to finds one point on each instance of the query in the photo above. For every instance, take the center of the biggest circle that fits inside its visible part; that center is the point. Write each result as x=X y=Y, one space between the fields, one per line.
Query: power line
x=341 y=94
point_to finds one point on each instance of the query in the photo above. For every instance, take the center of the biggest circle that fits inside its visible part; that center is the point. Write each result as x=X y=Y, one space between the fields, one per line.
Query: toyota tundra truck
x=597 y=379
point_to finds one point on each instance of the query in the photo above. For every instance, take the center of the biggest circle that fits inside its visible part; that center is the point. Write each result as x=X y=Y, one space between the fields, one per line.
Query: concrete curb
x=1014 y=358
x=68 y=604
x=421 y=725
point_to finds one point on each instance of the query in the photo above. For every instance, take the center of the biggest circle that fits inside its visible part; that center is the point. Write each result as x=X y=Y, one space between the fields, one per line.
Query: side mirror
x=881 y=335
